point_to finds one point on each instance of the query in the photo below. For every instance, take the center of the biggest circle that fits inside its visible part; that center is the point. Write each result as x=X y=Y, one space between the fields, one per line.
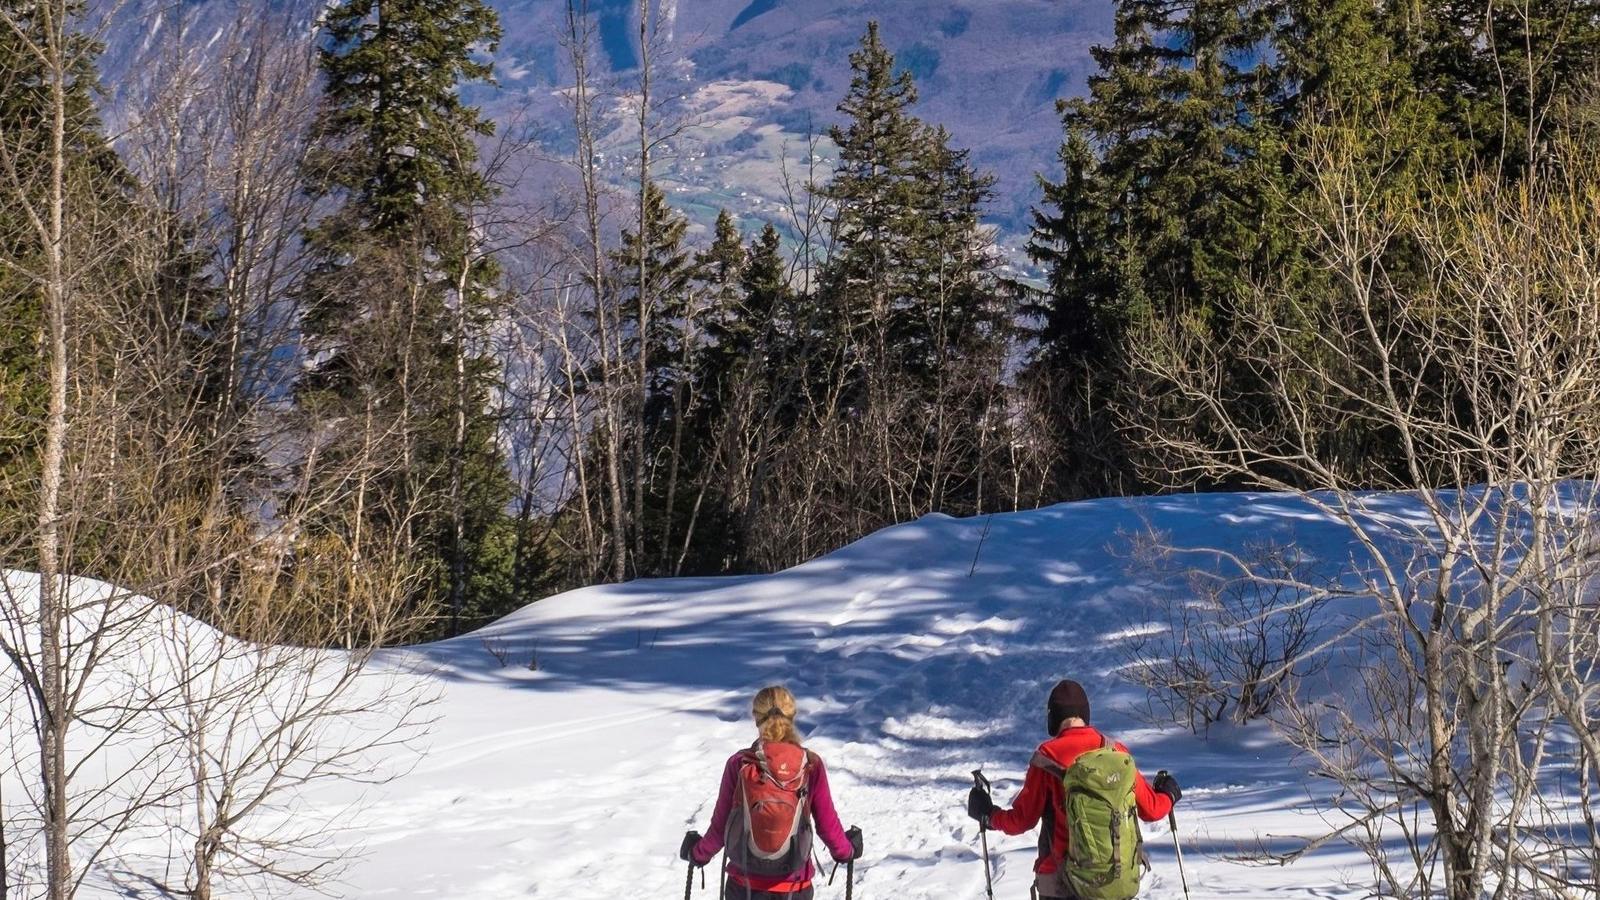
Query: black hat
x=1067 y=701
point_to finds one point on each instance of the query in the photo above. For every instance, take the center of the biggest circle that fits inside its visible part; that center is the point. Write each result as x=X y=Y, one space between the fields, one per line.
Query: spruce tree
x=906 y=275
x=1158 y=214
x=877 y=198
x=667 y=318
x=1501 y=70
x=659 y=321
x=398 y=306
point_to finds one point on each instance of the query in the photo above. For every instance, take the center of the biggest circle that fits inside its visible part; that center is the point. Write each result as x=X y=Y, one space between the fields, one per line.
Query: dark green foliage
x=1182 y=169
x=394 y=69
x=1500 y=70
x=93 y=171
x=396 y=311
x=906 y=286
x=658 y=312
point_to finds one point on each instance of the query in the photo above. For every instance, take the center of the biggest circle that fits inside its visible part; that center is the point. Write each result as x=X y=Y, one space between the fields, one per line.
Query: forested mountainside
x=755 y=75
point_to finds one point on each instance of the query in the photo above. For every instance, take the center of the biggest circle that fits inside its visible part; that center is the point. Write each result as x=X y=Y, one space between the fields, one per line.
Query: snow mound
x=573 y=742
x=918 y=654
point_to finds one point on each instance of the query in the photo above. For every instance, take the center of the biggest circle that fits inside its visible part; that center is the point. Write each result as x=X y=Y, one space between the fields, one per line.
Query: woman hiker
x=774 y=797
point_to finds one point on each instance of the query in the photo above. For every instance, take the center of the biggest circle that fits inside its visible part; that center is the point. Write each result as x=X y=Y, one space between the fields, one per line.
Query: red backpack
x=769 y=833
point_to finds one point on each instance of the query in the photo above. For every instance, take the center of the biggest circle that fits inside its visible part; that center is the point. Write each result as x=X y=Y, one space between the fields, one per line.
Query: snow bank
x=579 y=779
x=576 y=740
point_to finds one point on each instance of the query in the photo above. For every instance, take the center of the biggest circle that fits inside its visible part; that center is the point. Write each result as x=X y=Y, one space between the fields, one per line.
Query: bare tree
x=169 y=481
x=579 y=39
x=1481 y=375
x=1227 y=644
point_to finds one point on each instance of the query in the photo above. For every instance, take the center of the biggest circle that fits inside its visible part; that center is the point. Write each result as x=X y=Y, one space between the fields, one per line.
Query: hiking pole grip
x=982 y=781
x=1177 y=849
x=983 y=835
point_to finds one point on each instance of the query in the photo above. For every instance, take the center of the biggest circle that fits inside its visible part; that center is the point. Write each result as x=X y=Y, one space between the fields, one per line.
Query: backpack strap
x=1050 y=766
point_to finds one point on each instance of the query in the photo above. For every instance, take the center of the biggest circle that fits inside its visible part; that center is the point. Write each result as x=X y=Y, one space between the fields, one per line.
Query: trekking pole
x=983 y=834
x=1172 y=824
x=849 y=878
x=688 y=881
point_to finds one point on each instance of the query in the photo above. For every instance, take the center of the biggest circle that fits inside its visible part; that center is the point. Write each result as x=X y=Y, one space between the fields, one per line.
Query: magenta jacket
x=823 y=815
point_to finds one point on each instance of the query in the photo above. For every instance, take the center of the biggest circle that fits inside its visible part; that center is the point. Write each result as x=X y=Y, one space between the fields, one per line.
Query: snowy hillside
x=918 y=654
x=578 y=780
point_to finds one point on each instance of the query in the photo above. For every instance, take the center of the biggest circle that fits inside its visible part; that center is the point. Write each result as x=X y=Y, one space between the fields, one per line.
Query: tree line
x=378 y=345
x=518 y=400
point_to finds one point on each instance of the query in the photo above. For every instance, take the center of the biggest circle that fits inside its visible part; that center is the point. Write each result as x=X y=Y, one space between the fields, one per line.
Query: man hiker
x=1080 y=781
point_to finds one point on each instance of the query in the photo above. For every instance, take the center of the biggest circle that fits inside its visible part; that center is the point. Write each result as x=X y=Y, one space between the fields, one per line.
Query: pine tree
x=399 y=304
x=877 y=198
x=660 y=322
x=757 y=365
x=772 y=327
x=722 y=268
x=1500 y=70
x=667 y=321
x=906 y=227
x=1159 y=212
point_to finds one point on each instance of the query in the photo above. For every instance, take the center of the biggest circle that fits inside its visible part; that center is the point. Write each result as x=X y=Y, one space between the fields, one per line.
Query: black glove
x=979 y=805
x=1166 y=784
x=854 y=837
x=686 y=849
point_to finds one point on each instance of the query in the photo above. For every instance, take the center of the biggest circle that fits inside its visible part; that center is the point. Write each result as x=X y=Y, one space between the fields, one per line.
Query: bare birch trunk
x=52 y=586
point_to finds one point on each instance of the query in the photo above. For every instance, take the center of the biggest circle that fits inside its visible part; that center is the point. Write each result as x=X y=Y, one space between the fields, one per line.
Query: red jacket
x=1043 y=796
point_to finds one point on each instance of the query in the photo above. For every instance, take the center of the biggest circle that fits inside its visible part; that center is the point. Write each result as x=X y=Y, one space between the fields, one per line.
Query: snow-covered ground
x=918 y=654
x=578 y=780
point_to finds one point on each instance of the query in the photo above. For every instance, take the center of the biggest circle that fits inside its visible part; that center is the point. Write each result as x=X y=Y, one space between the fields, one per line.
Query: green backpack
x=1105 y=849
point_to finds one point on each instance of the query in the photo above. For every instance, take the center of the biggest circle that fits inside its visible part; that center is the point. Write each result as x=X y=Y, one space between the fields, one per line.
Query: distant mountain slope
x=990 y=70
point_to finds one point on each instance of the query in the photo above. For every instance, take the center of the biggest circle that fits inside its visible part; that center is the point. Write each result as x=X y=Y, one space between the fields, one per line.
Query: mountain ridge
x=990 y=72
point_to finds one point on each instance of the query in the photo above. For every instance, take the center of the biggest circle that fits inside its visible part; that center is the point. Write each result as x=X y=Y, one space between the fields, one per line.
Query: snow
x=578 y=780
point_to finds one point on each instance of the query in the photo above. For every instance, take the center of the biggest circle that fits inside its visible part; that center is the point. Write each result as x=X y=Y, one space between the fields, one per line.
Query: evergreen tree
x=660 y=323
x=771 y=326
x=666 y=321
x=721 y=268
x=401 y=299
x=877 y=199
x=906 y=228
x=1500 y=70
x=1159 y=215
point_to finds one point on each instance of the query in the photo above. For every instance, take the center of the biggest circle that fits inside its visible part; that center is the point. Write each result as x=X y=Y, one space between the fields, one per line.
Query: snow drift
x=576 y=740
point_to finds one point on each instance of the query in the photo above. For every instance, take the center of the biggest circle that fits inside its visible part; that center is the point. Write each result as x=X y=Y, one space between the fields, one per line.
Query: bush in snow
x=1231 y=641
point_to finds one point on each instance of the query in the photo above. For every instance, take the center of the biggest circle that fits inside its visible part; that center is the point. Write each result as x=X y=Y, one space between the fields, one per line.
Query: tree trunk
x=52 y=607
x=642 y=372
x=458 y=502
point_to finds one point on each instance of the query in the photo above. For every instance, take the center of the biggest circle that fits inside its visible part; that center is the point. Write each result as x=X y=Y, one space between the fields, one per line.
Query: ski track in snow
x=578 y=781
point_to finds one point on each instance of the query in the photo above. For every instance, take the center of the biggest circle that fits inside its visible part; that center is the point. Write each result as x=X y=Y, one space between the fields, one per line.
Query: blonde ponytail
x=774 y=712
